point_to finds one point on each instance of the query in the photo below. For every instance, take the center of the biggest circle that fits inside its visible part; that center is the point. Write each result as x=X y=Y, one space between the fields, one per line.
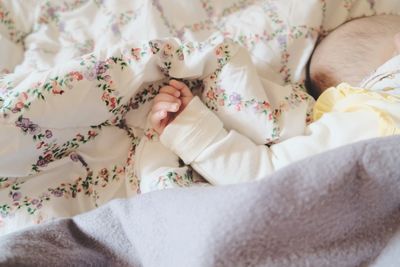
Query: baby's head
x=353 y=51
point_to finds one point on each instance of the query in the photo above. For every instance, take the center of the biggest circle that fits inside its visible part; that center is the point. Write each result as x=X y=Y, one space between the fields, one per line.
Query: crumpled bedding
x=79 y=77
x=340 y=208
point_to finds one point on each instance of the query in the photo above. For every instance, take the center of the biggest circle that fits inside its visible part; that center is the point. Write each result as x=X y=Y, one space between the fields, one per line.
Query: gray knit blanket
x=339 y=208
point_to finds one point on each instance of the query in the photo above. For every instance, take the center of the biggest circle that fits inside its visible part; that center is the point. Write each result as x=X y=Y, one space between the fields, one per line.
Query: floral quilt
x=78 y=78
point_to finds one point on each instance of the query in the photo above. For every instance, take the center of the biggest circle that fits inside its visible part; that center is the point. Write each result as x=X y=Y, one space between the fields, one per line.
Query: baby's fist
x=171 y=100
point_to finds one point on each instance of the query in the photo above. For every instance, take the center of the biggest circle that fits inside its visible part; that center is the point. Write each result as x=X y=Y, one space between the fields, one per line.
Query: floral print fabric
x=75 y=94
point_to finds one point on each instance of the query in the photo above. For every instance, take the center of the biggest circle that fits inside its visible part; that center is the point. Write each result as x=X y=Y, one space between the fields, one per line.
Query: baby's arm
x=197 y=136
x=157 y=166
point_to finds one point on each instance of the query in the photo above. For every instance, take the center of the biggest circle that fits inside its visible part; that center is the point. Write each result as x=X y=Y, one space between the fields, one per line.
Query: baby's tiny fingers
x=185 y=91
x=166 y=98
x=165 y=106
x=177 y=84
x=170 y=90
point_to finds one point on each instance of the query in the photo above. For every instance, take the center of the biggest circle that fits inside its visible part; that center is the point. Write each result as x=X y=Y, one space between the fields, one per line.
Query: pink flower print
x=107 y=78
x=48 y=157
x=39 y=146
x=113 y=102
x=105 y=96
x=56 y=89
x=220 y=91
x=76 y=75
x=266 y=105
x=35 y=201
x=136 y=53
x=18 y=106
x=1 y=15
x=114 y=120
x=256 y=106
x=24 y=96
x=16 y=196
x=120 y=170
x=90 y=190
x=79 y=137
x=221 y=102
x=92 y=133
x=167 y=51
x=104 y=173
x=109 y=61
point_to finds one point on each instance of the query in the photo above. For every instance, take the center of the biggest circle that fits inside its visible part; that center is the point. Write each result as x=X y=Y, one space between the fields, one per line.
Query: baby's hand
x=171 y=100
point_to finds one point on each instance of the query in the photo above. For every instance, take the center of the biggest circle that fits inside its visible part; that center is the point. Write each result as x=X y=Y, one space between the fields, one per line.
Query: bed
x=67 y=186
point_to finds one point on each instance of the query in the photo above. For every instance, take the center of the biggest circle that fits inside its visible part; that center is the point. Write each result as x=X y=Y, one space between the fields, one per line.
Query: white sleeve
x=222 y=157
x=157 y=167
x=198 y=137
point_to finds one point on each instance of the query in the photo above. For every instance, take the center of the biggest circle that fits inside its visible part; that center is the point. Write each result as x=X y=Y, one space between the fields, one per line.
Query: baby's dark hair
x=352 y=51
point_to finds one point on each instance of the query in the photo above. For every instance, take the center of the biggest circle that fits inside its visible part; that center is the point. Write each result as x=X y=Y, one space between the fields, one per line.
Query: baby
x=353 y=51
x=342 y=114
